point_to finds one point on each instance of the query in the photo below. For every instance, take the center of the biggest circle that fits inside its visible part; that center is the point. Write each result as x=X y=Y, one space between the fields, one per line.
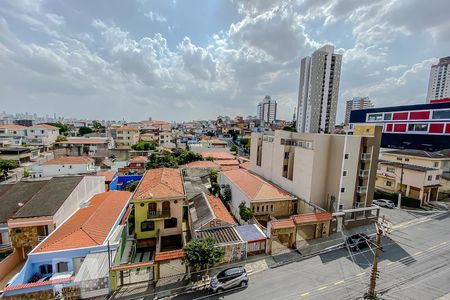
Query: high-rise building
x=438 y=86
x=355 y=104
x=267 y=110
x=318 y=91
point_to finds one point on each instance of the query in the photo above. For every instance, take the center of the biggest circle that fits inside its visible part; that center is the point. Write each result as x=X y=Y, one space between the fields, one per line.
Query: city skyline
x=161 y=59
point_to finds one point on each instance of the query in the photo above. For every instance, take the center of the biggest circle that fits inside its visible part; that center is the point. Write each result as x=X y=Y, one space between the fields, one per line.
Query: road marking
x=419 y=252
x=391 y=263
x=443 y=243
x=339 y=282
x=431 y=248
x=361 y=274
x=322 y=288
x=305 y=294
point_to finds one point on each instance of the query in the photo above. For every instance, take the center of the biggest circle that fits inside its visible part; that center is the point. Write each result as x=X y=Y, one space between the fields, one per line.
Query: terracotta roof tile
x=312 y=217
x=139 y=159
x=45 y=126
x=218 y=155
x=79 y=141
x=72 y=160
x=255 y=187
x=202 y=164
x=169 y=255
x=13 y=127
x=227 y=162
x=280 y=224
x=160 y=183
x=36 y=284
x=109 y=175
x=90 y=225
x=220 y=210
x=128 y=127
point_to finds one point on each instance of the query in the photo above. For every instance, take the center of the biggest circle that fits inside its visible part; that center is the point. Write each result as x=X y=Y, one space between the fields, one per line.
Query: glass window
x=418 y=127
x=436 y=164
x=388 y=116
x=342 y=190
x=346 y=156
x=62 y=267
x=375 y=117
x=170 y=223
x=429 y=178
x=344 y=173
x=438 y=177
x=46 y=269
x=441 y=114
x=147 y=226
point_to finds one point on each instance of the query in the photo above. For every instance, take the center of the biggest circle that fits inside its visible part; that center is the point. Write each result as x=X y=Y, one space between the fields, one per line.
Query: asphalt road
x=415 y=264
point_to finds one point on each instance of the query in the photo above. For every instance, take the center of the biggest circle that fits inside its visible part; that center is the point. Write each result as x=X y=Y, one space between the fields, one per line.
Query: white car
x=229 y=278
x=384 y=203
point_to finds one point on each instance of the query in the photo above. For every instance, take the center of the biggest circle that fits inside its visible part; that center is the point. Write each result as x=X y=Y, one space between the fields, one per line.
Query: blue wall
x=124 y=180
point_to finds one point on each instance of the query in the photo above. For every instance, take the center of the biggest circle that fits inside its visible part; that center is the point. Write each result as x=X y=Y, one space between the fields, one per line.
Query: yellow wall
x=140 y=215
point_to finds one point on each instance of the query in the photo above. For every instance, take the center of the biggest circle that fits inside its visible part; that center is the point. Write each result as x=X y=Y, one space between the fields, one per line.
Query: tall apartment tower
x=318 y=91
x=267 y=110
x=355 y=104
x=438 y=86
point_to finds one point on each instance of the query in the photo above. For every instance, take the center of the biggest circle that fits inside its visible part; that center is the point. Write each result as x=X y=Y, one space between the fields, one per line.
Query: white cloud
x=155 y=17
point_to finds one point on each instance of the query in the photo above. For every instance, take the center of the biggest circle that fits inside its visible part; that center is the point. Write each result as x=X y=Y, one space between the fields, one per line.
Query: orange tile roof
x=281 y=224
x=160 y=183
x=109 y=175
x=83 y=141
x=312 y=217
x=90 y=225
x=72 y=160
x=203 y=164
x=139 y=159
x=255 y=187
x=227 y=162
x=13 y=126
x=218 y=155
x=169 y=255
x=128 y=127
x=220 y=210
x=46 y=126
x=36 y=284
x=246 y=165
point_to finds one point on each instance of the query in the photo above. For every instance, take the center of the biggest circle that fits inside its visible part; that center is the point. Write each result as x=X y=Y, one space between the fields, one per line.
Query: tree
x=201 y=254
x=234 y=148
x=61 y=138
x=161 y=160
x=245 y=213
x=63 y=128
x=97 y=126
x=26 y=173
x=6 y=165
x=226 y=193
x=131 y=186
x=215 y=186
x=144 y=146
x=85 y=130
x=185 y=157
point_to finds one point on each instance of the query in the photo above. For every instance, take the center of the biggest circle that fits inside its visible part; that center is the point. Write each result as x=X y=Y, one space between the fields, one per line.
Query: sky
x=183 y=60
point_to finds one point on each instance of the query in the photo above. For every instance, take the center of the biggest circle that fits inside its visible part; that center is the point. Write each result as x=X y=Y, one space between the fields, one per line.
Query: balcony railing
x=361 y=189
x=5 y=247
x=156 y=214
x=363 y=173
x=366 y=156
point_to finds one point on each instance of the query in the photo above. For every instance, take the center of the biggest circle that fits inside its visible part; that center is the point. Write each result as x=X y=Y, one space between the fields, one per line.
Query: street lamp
x=399 y=202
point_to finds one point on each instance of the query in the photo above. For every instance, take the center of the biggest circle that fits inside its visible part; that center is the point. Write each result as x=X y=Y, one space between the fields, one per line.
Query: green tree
x=6 y=165
x=26 y=173
x=97 y=125
x=61 y=138
x=185 y=157
x=201 y=254
x=215 y=186
x=131 y=186
x=244 y=212
x=144 y=146
x=226 y=192
x=234 y=148
x=63 y=128
x=161 y=160
x=85 y=130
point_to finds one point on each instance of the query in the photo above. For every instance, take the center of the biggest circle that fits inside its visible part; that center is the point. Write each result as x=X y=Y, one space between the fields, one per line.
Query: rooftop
x=70 y=160
x=250 y=233
x=255 y=187
x=312 y=218
x=139 y=159
x=219 y=209
x=203 y=164
x=169 y=255
x=245 y=165
x=419 y=153
x=227 y=162
x=281 y=224
x=13 y=127
x=90 y=225
x=216 y=155
x=221 y=235
x=81 y=141
x=43 y=126
x=128 y=127
x=405 y=166
x=160 y=183
x=109 y=175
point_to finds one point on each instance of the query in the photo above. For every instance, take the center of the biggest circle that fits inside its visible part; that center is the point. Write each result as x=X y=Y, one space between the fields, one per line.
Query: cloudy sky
x=184 y=60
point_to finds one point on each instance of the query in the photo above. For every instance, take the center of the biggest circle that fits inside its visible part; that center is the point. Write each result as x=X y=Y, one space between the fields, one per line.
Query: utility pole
x=374 y=274
x=399 y=202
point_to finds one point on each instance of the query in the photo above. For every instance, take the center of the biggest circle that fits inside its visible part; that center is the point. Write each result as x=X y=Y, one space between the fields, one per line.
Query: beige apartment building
x=335 y=172
x=125 y=136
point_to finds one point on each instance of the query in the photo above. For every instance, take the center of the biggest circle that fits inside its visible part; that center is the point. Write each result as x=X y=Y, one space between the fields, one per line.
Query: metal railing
x=363 y=173
x=361 y=189
x=5 y=247
x=155 y=214
x=366 y=156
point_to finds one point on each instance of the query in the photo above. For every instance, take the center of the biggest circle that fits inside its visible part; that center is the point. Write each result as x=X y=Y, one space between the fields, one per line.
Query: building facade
x=68 y=165
x=318 y=91
x=355 y=104
x=420 y=126
x=439 y=83
x=42 y=135
x=267 y=110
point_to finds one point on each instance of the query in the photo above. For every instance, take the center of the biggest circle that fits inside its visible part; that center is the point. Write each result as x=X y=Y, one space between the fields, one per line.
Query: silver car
x=229 y=278
x=384 y=203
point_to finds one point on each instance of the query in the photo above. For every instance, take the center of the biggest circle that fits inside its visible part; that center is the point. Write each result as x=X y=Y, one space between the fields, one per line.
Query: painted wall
x=125 y=180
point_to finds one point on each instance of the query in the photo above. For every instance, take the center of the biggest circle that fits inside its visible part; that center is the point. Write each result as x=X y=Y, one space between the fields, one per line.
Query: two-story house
x=42 y=135
x=12 y=135
x=64 y=165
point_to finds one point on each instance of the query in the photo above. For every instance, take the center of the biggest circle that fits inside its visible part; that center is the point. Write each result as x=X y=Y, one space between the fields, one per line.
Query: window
x=45 y=269
x=388 y=116
x=441 y=114
x=286 y=155
x=342 y=190
x=62 y=267
x=271 y=207
x=147 y=226
x=257 y=209
x=374 y=117
x=438 y=177
x=346 y=156
x=388 y=183
x=429 y=178
x=406 y=159
x=170 y=223
x=344 y=173
x=390 y=169
x=285 y=168
x=418 y=127
x=399 y=158
x=436 y=164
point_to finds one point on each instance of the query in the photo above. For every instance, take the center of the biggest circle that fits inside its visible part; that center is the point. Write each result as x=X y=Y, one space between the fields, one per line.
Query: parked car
x=358 y=241
x=229 y=278
x=384 y=203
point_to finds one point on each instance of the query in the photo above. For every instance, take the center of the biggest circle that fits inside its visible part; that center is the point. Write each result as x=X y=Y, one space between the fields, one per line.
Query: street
x=414 y=264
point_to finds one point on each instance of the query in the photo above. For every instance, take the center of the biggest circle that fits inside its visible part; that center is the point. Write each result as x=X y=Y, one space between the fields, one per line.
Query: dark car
x=358 y=241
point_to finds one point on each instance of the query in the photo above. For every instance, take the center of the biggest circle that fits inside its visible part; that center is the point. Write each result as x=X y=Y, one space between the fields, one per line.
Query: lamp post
x=399 y=202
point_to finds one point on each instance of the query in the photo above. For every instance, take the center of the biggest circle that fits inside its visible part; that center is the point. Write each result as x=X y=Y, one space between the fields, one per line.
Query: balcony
x=366 y=156
x=361 y=189
x=5 y=247
x=158 y=214
x=363 y=173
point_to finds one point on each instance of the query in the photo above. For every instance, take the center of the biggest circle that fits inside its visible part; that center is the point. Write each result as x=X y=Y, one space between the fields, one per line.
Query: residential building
x=439 y=83
x=136 y=165
x=355 y=104
x=155 y=124
x=73 y=261
x=12 y=135
x=80 y=146
x=166 y=139
x=267 y=110
x=124 y=136
x=255 y=238
x=42 y=135
x=64 y=165
x=18 y=154
x=419 y=126
x=110 y=176
x=318 y=91
x=332 y=171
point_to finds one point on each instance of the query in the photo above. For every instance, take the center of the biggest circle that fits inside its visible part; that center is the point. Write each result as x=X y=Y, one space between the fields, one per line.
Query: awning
x=95 y=266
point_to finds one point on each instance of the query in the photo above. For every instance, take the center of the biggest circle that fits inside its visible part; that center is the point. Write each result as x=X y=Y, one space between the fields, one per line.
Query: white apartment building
x=12 y=135
x=267 y=110
x=42 y=135
x=335 y=172
x=318 y=91
x=355 y=104
x=439 y=83
x=65 y=165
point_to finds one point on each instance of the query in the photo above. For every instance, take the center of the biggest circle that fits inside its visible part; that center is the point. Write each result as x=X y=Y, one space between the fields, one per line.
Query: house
x=227 y=164
x=42 y=136
x=149 y=137
x=110 y=176
x=264 y=198
x=12 y=135
x=64 y=165
x=217 y=155
x=72 y=262
x=332 y=171
x=203 y=164
x=18 y=154
x=165 y=139
x=254 y=237
x=125 y=136
x=136 y=165
x=80 y=146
